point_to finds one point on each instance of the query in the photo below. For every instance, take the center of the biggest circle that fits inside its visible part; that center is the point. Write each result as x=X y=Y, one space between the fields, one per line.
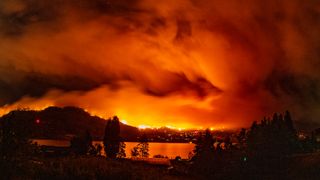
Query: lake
x=171 y=150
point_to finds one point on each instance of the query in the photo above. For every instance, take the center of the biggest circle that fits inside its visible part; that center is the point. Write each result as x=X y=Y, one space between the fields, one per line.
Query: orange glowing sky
x=182 y=63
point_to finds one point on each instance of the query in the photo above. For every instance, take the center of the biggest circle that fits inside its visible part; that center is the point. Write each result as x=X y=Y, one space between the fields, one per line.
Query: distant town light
x=170 y=127
x=143 y=127
x=157 y=127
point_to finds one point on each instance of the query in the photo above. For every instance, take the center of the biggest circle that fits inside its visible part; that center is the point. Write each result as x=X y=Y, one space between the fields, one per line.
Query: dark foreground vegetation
x=269 y=149
x=306 y=166
x=80 y=168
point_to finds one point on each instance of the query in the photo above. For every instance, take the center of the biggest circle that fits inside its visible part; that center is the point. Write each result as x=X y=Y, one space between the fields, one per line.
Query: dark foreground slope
x=59 y=123
x=305 y=166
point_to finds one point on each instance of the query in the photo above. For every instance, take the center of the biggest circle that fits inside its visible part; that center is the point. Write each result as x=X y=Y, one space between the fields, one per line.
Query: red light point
x=38 y=121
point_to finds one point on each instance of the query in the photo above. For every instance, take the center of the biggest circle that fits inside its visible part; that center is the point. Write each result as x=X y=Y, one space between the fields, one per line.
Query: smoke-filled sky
x=181 y=63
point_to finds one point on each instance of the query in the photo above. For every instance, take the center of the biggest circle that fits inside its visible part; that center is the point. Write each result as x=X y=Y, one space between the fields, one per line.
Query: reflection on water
x=170 y=150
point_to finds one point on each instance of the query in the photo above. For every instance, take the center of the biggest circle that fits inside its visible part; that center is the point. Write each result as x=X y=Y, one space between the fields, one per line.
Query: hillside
x=59 y=123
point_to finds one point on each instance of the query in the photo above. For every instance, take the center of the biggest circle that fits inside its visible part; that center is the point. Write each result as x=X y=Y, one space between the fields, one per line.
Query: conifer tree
x=111 y=139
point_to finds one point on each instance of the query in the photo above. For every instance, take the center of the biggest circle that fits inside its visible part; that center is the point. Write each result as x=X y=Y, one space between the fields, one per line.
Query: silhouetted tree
x=142 y=149
x=272 y=139
x=198 y=146
x=204 y=145
x=122 y=150
x=82 y=145
x=95 y=150
x=144 y=146
x=204 y=160
x=111 y=139
x=315 y=139
x=242 y=138
x=15 y=137
x=135 y=151
x=289 y=122
x=227 y=143
x=307 y=144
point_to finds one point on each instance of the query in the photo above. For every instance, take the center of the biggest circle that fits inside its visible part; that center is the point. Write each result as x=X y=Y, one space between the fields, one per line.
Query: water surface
x=171 y=150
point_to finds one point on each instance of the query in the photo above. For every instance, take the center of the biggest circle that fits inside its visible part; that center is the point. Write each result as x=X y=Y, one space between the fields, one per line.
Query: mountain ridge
x=61 y=122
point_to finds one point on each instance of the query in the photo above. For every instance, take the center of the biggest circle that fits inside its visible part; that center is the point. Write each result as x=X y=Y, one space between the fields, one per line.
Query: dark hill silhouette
x=58 y=123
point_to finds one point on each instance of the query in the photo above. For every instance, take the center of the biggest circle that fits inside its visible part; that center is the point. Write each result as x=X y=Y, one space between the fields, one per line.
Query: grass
x=82 y=168
x=306 y=166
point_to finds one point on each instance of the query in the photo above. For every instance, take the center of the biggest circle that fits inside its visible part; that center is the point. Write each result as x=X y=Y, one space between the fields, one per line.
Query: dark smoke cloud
x=202 y=63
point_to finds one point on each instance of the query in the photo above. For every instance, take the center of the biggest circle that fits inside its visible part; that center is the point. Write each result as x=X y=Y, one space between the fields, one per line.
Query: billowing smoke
x=181 y=63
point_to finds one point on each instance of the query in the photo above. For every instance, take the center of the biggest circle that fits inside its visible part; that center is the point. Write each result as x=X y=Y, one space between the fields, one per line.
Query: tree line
x=114 y=145
x=270 y=138
x=16 y=143
x=265 y=147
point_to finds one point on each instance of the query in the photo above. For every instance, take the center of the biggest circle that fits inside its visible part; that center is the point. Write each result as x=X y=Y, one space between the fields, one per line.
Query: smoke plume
x=183 y=63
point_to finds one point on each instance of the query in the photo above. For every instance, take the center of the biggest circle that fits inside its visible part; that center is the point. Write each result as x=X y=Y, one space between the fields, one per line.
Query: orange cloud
x=177 y=63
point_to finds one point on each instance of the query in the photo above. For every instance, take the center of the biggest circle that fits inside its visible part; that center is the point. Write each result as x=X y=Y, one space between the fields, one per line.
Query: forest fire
x=169 y=89
x=183 y=63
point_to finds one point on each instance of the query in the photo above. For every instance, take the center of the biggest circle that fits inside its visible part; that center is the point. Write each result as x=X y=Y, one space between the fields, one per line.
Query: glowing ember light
x=170 y=127
x=176 y=128
x=124 y=122
x=38 y=121
x=143 y=127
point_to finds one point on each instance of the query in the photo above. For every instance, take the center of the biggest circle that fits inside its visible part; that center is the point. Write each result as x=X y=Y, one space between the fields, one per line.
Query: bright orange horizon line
x=137 y=125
